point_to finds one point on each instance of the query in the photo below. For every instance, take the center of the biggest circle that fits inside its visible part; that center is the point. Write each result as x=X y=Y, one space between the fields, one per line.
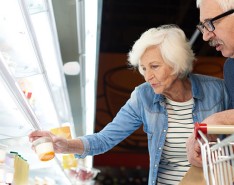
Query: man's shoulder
x=229 y=65
x=202 y=77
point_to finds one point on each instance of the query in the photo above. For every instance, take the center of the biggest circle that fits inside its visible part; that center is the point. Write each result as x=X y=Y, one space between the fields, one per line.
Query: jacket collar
x=197 y=89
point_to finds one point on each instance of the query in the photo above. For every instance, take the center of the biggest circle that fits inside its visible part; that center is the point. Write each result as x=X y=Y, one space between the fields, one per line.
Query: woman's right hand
x=60 y=144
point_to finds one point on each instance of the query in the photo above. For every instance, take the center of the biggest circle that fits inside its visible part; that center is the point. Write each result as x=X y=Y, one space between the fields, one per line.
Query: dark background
x=123 y=21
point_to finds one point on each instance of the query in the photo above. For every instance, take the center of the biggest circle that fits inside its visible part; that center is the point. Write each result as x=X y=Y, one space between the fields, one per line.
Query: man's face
x=222 y=38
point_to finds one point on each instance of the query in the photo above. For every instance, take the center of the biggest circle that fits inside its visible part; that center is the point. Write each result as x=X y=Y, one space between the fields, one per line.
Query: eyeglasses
x=208 y=24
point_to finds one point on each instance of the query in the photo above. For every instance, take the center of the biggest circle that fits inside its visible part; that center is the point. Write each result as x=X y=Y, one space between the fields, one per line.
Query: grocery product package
x=194 y=176
x=68 y=160
x=62 y=131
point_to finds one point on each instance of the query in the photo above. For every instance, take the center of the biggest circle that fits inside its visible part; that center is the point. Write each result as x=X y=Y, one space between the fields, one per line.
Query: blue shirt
x=229 y=77
x=148 y=108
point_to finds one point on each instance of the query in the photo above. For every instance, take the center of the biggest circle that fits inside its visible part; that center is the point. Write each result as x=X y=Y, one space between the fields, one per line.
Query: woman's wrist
x=75 y=146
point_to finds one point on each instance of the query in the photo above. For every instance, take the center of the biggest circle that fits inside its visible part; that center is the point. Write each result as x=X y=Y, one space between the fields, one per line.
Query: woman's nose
x=148 y=76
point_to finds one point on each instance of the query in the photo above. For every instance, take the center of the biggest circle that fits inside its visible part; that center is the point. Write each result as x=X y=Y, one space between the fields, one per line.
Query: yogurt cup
x=44 y=148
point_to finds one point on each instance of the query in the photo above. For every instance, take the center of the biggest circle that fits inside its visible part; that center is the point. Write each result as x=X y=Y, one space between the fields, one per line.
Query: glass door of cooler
x=17 y=120
x=30 y=50
x=43 y=24
x=33 y=88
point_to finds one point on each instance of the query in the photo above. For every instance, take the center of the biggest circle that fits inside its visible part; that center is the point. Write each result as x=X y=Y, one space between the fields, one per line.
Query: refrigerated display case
x=32 y=83
x=34 y=93
x=30 y=49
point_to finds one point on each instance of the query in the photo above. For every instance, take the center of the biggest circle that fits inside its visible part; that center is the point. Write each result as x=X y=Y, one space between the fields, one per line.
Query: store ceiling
x=123 y=21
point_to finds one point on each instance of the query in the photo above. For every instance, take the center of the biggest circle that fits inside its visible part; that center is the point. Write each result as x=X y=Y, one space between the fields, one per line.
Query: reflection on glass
x=39 y=98
x=36 y=6
x=12 y=121
x=15 y=44
x=42 y=22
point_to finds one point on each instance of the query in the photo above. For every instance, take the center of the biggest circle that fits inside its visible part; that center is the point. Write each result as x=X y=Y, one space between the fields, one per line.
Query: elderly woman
x=167 y=105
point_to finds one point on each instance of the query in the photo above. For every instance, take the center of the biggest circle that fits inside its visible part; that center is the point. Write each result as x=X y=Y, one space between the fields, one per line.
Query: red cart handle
x=212 y=129
x=200 y=126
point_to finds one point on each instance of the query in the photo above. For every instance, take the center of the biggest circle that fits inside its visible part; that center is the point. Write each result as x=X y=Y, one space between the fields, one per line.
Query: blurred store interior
x=99 y=81
x=122 y=22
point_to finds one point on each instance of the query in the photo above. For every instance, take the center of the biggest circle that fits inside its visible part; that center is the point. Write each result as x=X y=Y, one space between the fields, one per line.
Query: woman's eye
x=155 y=66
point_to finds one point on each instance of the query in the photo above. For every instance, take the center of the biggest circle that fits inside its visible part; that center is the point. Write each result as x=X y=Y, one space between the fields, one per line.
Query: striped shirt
x=174 y=163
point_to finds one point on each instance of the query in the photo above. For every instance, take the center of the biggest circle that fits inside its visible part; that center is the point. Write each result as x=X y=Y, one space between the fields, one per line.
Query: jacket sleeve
x=125 y=123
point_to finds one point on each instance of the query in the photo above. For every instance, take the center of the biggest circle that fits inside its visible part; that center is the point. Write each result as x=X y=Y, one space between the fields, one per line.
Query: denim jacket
x=147 y=108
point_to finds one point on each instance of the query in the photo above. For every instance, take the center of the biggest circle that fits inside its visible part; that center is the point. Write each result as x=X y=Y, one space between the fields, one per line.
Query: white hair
x=224 y=4
x=174 y=47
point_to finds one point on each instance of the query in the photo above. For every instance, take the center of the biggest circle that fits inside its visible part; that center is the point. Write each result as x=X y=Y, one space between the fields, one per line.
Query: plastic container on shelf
x=6 y=174
x=3 y=152
x=84 y=174
x=44 y=148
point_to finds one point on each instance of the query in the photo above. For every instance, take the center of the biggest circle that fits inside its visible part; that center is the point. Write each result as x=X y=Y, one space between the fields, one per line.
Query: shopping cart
x=217 y=156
